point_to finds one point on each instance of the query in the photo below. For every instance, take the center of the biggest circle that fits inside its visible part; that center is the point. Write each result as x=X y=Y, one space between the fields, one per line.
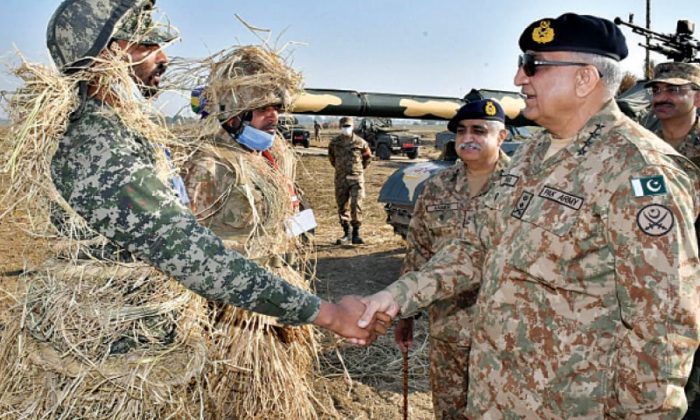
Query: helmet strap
x=82 y=98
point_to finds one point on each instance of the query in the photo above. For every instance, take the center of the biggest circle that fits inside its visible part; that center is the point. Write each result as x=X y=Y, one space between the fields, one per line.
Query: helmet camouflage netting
x=249 y=78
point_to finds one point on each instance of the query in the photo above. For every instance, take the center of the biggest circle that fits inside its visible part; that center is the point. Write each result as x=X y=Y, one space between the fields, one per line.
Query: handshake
x=359 y=319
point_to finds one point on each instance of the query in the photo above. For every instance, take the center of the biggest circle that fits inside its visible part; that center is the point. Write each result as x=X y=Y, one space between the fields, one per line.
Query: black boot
x=346 y=236
x=356 y=236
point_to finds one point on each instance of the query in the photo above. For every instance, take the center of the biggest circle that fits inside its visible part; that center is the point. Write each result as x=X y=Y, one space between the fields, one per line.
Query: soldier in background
x=350 y=155
x=317 y=131
x=448 y=199
x=675 y=99
x=586 y=258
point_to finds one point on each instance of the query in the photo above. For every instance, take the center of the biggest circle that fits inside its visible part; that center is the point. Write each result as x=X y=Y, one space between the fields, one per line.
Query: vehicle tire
x=306 y=143
x=412 y=154
x=383 y=152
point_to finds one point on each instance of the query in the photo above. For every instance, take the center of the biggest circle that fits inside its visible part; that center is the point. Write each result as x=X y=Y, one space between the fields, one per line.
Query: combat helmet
x=248 y=78
x=80 y=29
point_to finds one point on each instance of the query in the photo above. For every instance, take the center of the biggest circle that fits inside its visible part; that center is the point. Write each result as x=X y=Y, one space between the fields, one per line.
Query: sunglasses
x=529 y=63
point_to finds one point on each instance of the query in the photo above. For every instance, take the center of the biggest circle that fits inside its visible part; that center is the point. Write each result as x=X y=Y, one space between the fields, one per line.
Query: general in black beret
x=485 y=109
x=572 y=32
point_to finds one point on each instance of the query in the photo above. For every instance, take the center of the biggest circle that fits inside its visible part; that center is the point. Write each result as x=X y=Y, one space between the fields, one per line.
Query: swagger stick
x=405 y=384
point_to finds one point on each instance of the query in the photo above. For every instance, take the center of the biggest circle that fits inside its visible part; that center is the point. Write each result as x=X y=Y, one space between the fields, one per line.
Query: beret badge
x=490 y=108
x=543 y=33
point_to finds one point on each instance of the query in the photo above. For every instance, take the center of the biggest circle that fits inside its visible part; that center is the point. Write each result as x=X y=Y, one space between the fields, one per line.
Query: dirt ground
x=362 y=383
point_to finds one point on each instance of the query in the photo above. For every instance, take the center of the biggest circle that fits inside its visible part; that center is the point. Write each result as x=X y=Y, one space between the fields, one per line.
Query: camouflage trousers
x=692 y=389
x=449 y=380
x=352 y=194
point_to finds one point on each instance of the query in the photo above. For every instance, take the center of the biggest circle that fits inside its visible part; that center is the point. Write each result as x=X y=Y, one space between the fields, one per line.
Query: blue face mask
x=255 y=139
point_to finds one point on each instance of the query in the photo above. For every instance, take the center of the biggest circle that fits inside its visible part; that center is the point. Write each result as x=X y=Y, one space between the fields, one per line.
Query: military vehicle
x=291 y=130
x=402 y=188
x=388 y=105
x=385 y=140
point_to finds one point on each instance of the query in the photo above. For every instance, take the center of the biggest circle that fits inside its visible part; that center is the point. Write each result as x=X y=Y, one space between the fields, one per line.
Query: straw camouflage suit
x=245 y=195
x=108 y=328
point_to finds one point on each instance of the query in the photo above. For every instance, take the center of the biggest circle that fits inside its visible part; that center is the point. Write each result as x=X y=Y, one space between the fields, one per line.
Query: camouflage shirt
x=349 y=157
x=589 y=279
x=106 y=173
x=690 y=146
x=224 y=182
x=437 y=218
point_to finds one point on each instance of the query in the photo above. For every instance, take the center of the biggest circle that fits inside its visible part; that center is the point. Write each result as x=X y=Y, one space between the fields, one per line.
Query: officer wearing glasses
x=675 y=98
x=584 y=251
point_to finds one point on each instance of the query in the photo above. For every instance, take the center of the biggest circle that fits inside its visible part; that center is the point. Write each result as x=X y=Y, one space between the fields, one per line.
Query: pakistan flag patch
x=649 y=185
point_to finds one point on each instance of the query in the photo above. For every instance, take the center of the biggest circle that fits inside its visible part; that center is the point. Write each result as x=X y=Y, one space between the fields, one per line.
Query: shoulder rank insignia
x=649 y=185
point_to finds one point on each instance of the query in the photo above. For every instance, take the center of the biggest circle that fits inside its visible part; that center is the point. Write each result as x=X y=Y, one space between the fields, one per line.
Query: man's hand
x=342 y=319
x=378 y=302
x=403 y=334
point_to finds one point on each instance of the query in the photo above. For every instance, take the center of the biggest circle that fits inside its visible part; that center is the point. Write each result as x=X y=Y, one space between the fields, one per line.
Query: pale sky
x=439 y=47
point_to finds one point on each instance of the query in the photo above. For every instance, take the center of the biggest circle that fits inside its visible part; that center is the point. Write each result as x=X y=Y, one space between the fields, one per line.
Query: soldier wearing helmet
x=112 y=173
x=241 y=184
x=96 y=145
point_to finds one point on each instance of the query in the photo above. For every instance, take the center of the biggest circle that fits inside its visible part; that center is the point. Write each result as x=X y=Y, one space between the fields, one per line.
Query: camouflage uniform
x=439 y=213
x=349 y=156
x=106 y=173
x=690 y=148
x=229 y=201
x=589 y=277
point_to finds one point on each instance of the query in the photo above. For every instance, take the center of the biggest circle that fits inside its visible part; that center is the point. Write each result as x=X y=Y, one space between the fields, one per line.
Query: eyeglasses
x=674 y=90
x=529 y=63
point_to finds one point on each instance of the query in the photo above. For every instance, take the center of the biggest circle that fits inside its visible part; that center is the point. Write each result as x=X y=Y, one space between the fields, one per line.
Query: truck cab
x=385 y=140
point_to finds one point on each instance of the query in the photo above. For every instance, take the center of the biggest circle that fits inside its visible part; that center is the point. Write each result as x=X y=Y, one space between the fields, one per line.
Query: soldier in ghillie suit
x=350 y=155
x=585 y=251
x=241 y=185
x=109 y=328
x=448 y=199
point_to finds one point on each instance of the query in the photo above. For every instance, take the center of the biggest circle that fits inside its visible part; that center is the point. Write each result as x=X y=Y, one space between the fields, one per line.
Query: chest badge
x=655 y=220
x=509 y=180
x=442 y=207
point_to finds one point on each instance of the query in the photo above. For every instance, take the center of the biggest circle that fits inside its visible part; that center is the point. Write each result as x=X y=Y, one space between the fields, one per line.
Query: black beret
x=572 y=32
x=485 y=109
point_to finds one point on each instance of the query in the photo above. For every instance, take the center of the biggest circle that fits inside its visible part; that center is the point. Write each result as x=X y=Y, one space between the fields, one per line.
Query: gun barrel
x=389 y=105
x=643 y=31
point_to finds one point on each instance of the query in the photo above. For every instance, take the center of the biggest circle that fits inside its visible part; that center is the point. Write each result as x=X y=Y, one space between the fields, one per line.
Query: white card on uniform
x=301 y=222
